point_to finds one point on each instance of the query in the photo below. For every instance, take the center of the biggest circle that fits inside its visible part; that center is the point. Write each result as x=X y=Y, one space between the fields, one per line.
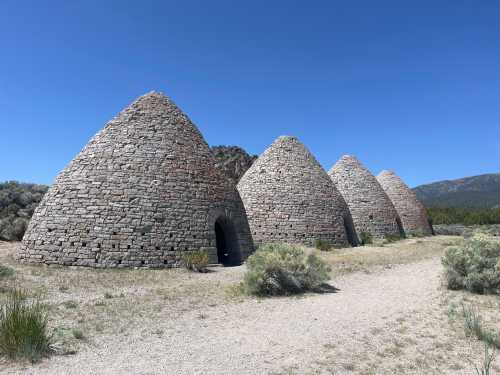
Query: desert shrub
x=23 y=328
x=78 y=334
x=322 y=245
x=5 y=272
x=366 y=238
x=475 y=265
x=196 y=261
x=283 y=269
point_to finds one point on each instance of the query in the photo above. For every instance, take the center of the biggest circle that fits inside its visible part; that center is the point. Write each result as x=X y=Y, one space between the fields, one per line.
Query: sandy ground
x=385 y=319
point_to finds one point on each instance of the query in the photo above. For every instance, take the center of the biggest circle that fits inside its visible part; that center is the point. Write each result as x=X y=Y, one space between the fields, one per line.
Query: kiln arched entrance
x=400 y=227
x=228 y=250
x=350 y=232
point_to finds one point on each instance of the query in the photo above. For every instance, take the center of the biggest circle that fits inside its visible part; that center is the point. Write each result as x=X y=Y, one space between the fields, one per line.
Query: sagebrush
x=23 y=328
x=365 y=238
x=283 y=269
x=196 y=261
x=322 y=245
x=5 y=272
x=475 y=265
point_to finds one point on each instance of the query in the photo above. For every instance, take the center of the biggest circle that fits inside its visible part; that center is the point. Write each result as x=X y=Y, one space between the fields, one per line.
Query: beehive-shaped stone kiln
x=411 y=212
x=371 y=209
x=289 y=197
x=143 y=192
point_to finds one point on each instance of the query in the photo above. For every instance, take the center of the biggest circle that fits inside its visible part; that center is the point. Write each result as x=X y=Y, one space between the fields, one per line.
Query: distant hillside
x=481 y=191
x=233 y=161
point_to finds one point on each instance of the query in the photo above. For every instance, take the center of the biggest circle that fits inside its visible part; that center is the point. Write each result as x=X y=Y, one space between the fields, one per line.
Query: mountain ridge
x=481 y=191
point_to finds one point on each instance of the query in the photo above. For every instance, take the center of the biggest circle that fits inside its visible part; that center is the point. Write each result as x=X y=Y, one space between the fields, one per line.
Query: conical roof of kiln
x=410 y=210
x=140 y=193
x=371 y=209
x=288 y=197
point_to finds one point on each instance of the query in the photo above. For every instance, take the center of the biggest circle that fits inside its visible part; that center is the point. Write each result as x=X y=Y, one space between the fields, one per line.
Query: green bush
x=283 y=269
x=322 y=245
x=196 y=261
x=366 y=238
x=475 y=265
x=23 y=329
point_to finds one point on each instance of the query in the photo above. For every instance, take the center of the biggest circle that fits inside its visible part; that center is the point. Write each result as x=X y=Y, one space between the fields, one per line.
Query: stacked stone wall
x=141 y=193
x=289 y=197
x=411 y=211
x=370 y=207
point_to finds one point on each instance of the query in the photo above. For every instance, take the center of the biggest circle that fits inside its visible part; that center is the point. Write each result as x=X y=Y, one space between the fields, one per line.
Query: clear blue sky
x=412 y=86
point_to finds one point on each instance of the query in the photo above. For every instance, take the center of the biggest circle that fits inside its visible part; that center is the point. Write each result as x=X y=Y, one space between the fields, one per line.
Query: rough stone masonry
x=289 y=197
x=410 y=210
x=141 y=193
x=371 y=209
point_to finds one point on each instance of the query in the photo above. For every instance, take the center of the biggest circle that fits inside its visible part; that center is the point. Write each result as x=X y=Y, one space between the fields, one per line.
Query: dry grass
x=372 y=257
x=112 y=301
x=100 y=302
x=88 y=305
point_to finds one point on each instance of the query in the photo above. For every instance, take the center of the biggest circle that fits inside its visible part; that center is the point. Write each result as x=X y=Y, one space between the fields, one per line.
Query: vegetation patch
x=390 y=238
x=366 y=238
x=475 y=265
x=78 y=334
x=466 y=216
x=284 y=269
x=6 y=272
x=17 y=203
x=23 y=329
x=474 y=327
x=196 y=261
x=70 y=304
x=322 y=245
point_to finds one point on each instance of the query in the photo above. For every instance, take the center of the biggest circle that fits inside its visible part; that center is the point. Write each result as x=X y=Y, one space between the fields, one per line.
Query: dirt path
x=390 y=321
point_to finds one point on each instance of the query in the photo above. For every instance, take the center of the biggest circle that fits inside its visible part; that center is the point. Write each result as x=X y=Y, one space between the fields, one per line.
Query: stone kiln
x=289 y=197
x=371 y=209
x=141 y=193
x=410 y=210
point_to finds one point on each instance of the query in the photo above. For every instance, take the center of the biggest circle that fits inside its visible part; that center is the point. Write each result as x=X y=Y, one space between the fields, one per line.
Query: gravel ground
x=388 y=320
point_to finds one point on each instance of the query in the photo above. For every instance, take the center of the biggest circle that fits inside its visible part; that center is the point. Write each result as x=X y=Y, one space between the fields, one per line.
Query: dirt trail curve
x=352 y=331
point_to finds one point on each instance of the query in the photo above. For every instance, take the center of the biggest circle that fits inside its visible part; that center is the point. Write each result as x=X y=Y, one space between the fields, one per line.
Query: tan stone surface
x=142 y=192
x=289 y=198
x=410 y=210
x=371 y=209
